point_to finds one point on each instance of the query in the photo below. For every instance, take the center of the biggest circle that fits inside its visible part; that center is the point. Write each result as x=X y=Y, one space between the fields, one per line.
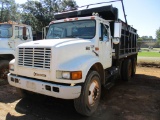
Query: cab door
x=19 y=38
x=105 y=45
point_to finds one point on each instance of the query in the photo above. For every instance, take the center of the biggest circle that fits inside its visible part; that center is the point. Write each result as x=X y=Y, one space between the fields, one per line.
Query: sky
x=143 y=15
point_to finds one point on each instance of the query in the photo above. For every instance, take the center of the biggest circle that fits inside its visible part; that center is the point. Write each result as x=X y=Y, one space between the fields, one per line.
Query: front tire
x=4 y=70
x=89 y=99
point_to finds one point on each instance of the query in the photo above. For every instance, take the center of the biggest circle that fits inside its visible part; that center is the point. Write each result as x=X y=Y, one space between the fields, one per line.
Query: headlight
x=70 y=75
x=66 y=75
x=11 y=67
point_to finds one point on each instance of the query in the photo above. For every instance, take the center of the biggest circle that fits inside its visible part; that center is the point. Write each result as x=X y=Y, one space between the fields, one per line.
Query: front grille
x=35 y=57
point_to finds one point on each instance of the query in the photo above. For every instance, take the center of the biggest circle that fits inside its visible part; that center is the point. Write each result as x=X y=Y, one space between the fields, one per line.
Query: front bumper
x=50 y=89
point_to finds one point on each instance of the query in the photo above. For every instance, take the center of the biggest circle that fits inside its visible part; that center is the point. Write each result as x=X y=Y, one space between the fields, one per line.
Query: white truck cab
x=66 y=56
x=79 y=56
x=11 y=35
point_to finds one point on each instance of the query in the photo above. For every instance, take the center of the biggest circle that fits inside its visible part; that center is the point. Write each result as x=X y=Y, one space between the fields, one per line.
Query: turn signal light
x=76 y=75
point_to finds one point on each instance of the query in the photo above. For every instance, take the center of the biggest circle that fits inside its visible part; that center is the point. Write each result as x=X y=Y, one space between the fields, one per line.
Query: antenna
x=124 y=14
x=97 y=3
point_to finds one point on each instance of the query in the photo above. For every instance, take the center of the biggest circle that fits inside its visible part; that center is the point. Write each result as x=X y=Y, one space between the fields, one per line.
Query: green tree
x=40 y=13
x=144 y=37
x=150 y=37
x=139 y=42
x=34 y=14
x=158 y=35
x=9 y=11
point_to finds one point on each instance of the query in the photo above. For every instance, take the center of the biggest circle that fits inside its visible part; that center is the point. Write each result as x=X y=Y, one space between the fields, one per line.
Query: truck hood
x=63 y=50
x=53 y=42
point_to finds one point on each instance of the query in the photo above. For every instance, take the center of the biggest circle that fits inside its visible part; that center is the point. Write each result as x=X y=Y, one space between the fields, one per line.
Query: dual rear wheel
x=128 y=69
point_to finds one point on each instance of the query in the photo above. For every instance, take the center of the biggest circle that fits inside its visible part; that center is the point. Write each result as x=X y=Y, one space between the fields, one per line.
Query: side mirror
x=117 y=30
x=24 y=33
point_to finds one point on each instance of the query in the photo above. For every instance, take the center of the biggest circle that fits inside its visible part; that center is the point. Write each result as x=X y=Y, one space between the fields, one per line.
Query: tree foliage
x=9 y=10
x=147 y=37
x=158 y=35
x=36 y=13
x=40 y=13
x=150 y=37
x=139 y=42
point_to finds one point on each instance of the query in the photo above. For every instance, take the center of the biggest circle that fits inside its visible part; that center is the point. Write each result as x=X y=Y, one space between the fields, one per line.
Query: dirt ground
x=138 y=99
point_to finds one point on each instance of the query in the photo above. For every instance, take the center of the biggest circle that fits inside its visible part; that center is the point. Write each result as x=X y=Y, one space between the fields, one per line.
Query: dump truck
x=85 y=52
x=11 y=35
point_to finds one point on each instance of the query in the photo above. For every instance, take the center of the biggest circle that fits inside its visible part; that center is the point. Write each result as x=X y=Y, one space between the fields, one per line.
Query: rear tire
x=89 y=99
x=4 y=70
x=126 y=70
x=134 y=64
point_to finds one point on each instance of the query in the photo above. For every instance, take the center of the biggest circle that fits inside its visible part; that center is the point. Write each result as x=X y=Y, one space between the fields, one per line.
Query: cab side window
x=104 y=32
x=19 y=32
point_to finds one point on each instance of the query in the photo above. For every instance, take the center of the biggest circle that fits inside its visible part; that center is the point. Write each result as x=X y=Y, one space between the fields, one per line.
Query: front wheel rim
x=94 y=92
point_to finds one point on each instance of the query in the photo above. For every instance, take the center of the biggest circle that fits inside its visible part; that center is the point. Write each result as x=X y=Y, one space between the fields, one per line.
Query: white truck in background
x=11 y=35
x=82 y=54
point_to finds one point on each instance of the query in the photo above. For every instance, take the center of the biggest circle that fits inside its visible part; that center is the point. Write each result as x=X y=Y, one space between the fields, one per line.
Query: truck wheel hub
x=93 y=92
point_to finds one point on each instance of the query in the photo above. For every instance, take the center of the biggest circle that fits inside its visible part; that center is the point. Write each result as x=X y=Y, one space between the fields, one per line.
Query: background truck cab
x=11 y=35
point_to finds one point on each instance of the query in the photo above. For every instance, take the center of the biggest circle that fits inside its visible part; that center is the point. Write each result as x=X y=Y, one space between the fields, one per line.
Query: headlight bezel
x=69 y=75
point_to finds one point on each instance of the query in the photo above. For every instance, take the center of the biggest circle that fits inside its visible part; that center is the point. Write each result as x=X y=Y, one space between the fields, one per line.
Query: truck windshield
x=5 y=31
x=72 y=29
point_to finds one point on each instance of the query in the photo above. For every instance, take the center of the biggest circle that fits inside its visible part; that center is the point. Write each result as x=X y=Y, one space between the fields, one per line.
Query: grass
x=148 y=54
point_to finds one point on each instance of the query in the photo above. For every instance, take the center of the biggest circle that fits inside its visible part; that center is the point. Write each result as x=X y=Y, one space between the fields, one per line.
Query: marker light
x=76 y=75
